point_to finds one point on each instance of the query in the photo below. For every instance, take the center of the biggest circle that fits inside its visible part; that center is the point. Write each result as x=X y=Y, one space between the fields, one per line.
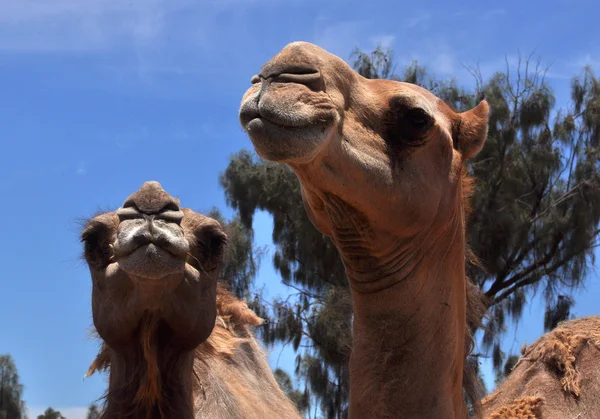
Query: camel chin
x=281 y=143
x=151 y=262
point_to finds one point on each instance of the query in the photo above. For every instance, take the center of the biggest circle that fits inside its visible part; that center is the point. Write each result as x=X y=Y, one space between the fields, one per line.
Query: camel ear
x=472 y=129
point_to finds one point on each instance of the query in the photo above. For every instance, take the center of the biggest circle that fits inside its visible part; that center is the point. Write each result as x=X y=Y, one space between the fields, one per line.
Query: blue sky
x=99 y=96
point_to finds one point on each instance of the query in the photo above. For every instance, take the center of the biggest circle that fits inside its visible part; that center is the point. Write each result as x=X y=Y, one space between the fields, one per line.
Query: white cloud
x=436 y=55
x=444 y=63
x=490 y=67
x=592 y=60
x=145 y=38
x=67 y=412
x=338 y=38
x=81 y=169
x=421 y=18
x=386 y=41
x=485 y=15
x=558 y=76
x=83 y=25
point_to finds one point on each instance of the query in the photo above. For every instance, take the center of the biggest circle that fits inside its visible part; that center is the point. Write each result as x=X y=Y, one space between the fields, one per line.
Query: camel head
x=153 y=261
x=390 y=151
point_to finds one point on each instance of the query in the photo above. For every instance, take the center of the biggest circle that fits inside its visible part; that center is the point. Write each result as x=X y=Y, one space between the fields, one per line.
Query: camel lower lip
x=151 y=262
x=152 y=248
x=263 y=123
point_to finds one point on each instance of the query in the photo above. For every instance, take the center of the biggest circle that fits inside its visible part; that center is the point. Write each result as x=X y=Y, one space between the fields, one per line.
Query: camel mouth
x=280 y=131
x=150 y=249
x=253 y=113
x=278 y=143
x=151 y=261
x=155 y=245
x=261 y=123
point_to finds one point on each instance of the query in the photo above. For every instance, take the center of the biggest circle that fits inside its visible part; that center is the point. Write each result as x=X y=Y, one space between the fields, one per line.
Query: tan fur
x=561 y=368
x=149 y=392
x=525 y=408
x=382 y=169
x=560 y=351
x=231 y=327
x=175 y=343
x=221 y=354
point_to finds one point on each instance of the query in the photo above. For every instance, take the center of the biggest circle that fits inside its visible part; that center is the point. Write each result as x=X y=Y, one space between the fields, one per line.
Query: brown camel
x=381 y=164
x=177 y=345
x=556 y=378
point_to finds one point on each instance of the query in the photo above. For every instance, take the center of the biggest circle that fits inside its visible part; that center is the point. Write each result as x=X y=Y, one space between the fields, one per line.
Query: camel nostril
x=306 y=75
x=170 y=216
x=313 y=81
x=128 y=212
x=171 y=213
x=297 y=77
x=273 y=71
x=170 y=206
x=299 y=69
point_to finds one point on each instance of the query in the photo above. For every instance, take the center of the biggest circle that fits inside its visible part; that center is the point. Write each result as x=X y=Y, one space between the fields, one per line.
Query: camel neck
x=409 y=333
x=150 y=380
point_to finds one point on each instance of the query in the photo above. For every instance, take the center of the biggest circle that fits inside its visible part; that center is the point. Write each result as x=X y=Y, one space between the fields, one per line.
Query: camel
x=382 y=171
x=556 y=377
x=176 y=343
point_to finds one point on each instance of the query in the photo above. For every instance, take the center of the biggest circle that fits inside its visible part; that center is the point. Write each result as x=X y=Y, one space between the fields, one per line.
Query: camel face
x=150 y=242
x=289 y=112
x=392 y=151
x=151 y=259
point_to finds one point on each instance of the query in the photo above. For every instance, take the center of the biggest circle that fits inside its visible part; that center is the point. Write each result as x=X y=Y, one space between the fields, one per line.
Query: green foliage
x=241 y=259
x=11 y=405
x=534 y=224
x=558 y=312
x=301 y=399
x=51 y=414
x=316 y=317
x=376 y=65
x=93 y=412
x=537 y=204
x=509 y=364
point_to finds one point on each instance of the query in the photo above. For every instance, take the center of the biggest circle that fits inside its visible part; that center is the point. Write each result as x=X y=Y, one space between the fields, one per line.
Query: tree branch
x=531 y=280
x=499 y=285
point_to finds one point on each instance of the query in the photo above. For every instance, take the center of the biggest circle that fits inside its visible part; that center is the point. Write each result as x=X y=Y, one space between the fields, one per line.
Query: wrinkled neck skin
x=409 y=317
x=150 y=381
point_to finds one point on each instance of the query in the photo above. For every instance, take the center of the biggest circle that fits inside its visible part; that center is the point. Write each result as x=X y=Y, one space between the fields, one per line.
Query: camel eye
x=406 y=125
x=96 y=245
x=418 y=118
x=210 y=242
x=90 y=241
x=91 y=237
